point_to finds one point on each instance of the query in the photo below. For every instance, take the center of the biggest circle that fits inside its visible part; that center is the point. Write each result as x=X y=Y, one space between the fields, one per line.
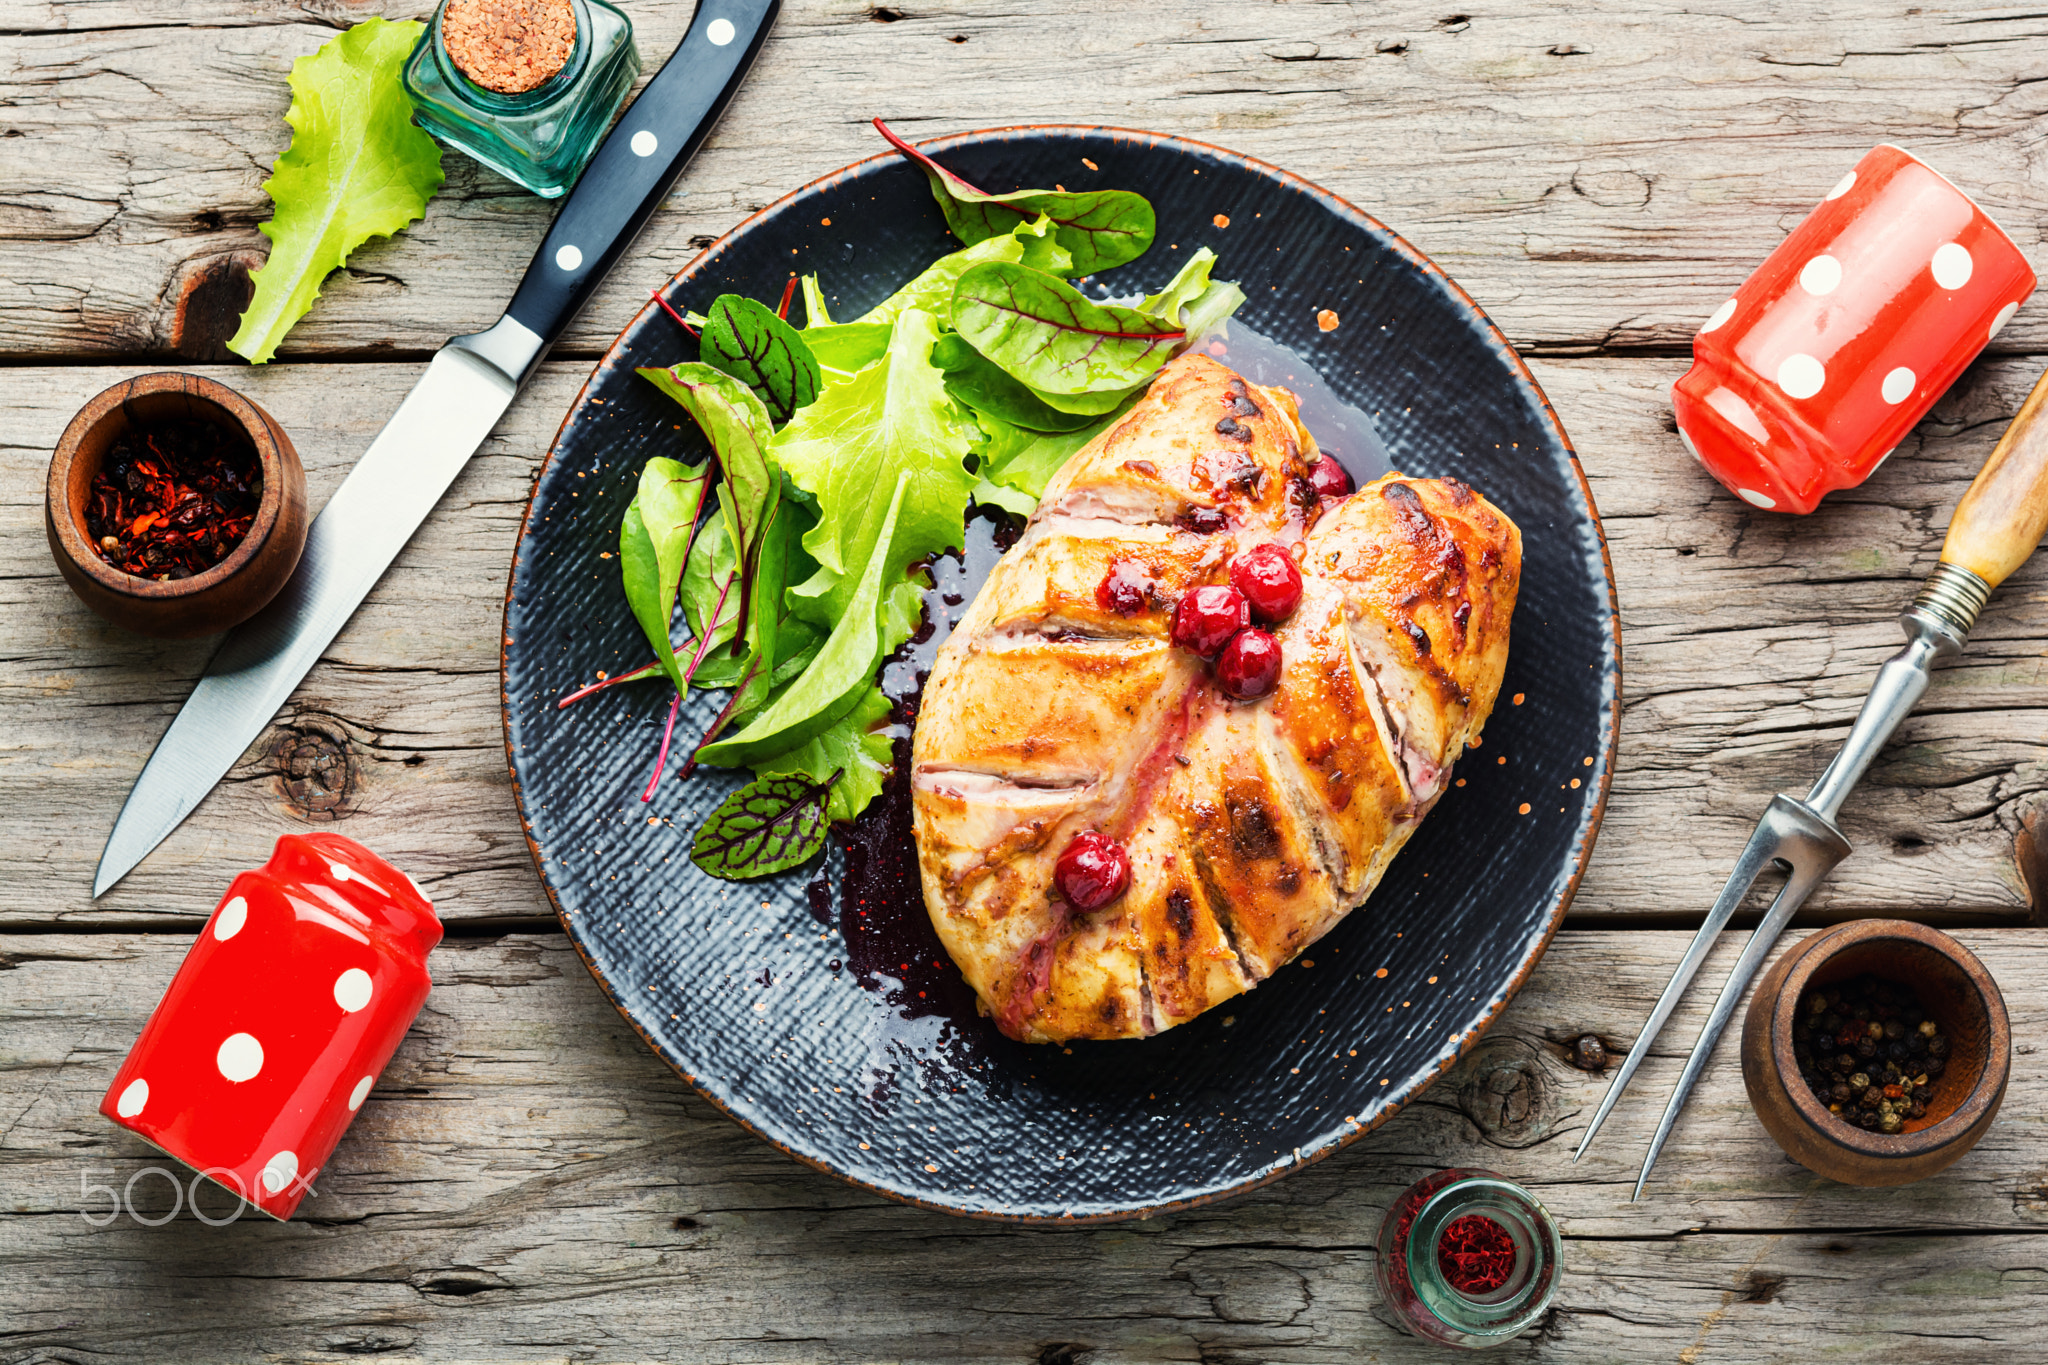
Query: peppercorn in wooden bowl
x=205 y=521
x=1936 y=1010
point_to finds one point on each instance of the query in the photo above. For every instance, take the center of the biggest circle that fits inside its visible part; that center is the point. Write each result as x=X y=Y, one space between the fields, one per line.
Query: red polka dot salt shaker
x=1845 y=336
x=284 y=1011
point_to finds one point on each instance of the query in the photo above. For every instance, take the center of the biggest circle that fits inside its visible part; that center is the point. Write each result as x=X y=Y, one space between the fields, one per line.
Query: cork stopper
x=510 y=46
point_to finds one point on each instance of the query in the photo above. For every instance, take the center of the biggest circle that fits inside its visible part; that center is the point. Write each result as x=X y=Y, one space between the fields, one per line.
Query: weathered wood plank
x=1597 y=177
x=526 y=1161
x=1750 y=640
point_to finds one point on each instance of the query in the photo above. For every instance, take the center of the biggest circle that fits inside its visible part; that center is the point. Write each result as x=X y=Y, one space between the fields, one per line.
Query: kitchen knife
x=468 y=386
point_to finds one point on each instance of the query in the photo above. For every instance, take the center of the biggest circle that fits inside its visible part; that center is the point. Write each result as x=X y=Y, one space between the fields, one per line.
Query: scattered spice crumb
x=1326 y=320
x=1432 y=981
x=1089 y=164
x=1502 y=760
x=1308 y=962
x=824 y=222
x=1589 y=760
x=1461 y=781
x=1518 y=698
x=1061 y=188
x=1525 y=808
x=1221 y=220
x=1575 y=784
x=929 y=1167
x=1380 y=973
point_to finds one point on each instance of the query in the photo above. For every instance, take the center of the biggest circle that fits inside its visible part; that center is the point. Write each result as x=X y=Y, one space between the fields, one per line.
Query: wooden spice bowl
x=1954 y=990
x=228 y=593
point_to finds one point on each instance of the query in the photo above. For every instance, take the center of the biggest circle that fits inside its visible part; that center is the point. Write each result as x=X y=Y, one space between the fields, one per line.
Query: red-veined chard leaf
x=979 y=383
x=767 y=826
x=747 y=341
x=654 y=546
x=740 y=430
x=1043 y=332
x=1099 y=228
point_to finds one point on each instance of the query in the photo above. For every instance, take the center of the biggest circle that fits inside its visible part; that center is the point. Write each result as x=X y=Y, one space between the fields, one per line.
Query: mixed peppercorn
x=1870 y=1052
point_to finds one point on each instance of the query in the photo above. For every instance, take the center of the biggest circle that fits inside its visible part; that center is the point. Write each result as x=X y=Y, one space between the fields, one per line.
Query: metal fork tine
x=1790 y=897
x=1756 y=856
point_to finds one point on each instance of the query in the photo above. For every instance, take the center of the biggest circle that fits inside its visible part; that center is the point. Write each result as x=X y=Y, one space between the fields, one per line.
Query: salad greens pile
x=845 y=455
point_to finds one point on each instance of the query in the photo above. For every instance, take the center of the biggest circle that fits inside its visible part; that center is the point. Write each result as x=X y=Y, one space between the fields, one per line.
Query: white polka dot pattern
x=132 y=1099
x=1821 y=275
x=1801 y=376
x=352 y=989
x=1721 y=316
x=360 y=1093
x=1691 y=449
x=230 y=920
x=1952 y=265
x=2003 y=316
x=280 y=1171
x=1843 y=186
x=721 y=32
x=1898 y=385
x=240 y=1057
x=1756 y=499
x=645 y=143
x=338 y=871
x=569 y=257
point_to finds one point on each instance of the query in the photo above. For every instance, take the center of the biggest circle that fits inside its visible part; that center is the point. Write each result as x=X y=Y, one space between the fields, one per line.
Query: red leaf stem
x=788 y=293
x=646 y=670
x=655 y=294
x=661 y=759
x=921 y=159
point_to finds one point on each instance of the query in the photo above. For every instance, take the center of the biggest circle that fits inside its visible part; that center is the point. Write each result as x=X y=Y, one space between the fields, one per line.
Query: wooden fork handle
x=2001 y=518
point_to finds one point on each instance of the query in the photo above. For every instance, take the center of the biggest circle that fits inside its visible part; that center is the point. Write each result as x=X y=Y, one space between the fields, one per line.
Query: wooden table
x=530 y=1183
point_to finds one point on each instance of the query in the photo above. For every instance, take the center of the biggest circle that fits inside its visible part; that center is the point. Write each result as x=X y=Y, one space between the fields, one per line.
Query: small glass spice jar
x=506 y=82
x=1467 y=1259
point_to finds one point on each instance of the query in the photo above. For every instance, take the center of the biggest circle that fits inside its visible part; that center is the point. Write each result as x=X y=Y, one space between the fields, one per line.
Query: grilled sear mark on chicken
x=1252 y=827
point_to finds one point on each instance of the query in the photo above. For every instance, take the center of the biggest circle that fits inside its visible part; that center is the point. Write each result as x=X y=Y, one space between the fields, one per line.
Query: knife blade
x=450 y=412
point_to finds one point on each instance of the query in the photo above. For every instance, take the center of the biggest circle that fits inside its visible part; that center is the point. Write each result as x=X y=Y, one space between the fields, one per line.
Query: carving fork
x=1996 y=527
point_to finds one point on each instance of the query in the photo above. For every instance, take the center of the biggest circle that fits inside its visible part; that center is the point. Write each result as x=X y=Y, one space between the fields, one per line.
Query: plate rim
x=1609 y=744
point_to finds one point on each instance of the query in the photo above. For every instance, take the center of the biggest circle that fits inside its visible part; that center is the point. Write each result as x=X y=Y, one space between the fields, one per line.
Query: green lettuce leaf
x=747 y=341
x=1025 y=461
x=1191 y=300
x=1032 y=244
x=357 y=168
x=852 y=748
x=891 y=418
x=846 y=348
x=838 y=678
x=1043 y=332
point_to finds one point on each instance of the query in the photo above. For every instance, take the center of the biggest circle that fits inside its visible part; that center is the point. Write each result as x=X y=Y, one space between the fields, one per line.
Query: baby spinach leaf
x=832 y=685
x=769 y=825
x=1045 y=333
x=891 y=418
x=654 y=546
x=1099 y=228
x=747 y=341
x=852 y=748
x=979 y=383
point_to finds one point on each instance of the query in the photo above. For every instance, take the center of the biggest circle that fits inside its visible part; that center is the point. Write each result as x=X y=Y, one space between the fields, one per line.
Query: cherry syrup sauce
x=891 y=948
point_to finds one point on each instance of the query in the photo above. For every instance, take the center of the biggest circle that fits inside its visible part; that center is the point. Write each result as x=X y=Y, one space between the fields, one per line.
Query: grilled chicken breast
x=1252 y=827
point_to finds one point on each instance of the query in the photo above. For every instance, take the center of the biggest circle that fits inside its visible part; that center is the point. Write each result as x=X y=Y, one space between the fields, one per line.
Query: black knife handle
x=627 y=179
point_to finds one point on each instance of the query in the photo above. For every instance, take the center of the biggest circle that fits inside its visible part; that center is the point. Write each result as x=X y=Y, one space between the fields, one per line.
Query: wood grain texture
x=528 y=1183
x=1749 y=641
x=1598 y=177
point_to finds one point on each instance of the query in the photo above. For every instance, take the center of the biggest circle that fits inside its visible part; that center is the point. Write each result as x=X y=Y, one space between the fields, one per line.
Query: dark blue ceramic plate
x=816 y=1008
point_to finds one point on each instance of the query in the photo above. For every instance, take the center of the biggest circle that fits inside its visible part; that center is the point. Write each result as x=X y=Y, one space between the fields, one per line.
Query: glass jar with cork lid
x=527 y=87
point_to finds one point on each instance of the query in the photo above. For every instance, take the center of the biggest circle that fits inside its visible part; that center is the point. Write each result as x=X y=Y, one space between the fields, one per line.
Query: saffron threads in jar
x=1475 y=1254
x=1466 y=1258
x=510 y=46
x=173 y=499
